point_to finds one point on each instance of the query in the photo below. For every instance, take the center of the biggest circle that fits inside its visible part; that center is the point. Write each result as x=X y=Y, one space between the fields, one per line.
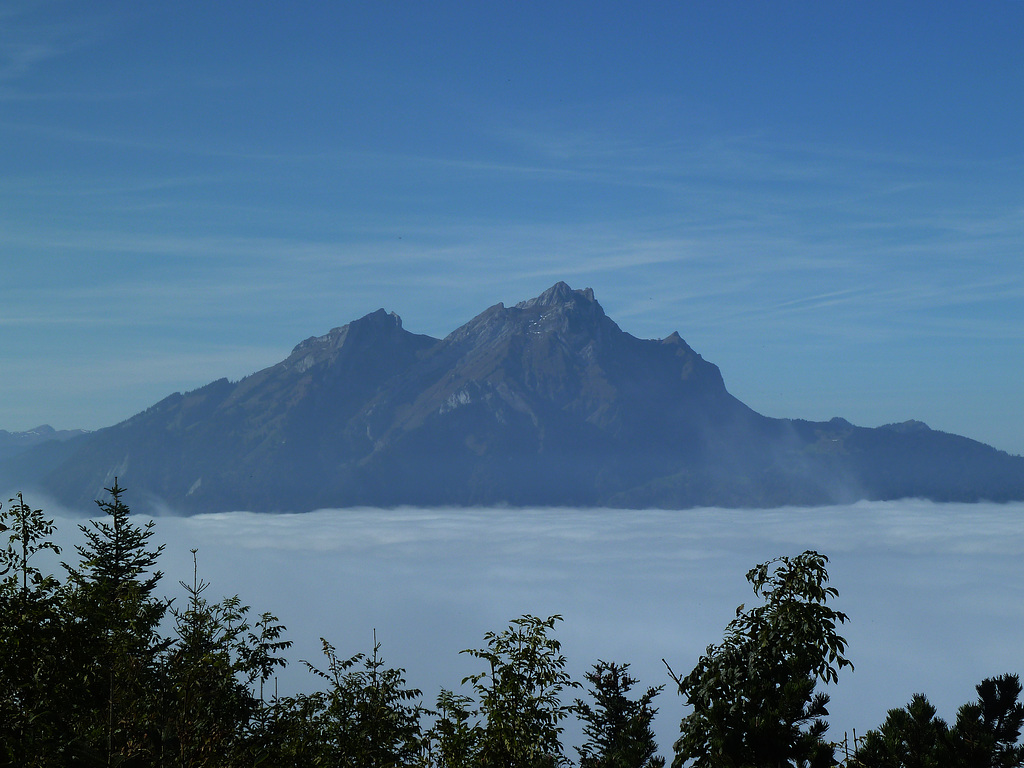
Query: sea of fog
x=934 y=591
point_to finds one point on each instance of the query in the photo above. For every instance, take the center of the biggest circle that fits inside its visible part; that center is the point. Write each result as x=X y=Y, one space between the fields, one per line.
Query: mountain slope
x=548 y=402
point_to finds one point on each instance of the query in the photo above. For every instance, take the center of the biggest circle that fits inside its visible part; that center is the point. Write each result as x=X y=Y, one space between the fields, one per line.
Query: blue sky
x=824 y=199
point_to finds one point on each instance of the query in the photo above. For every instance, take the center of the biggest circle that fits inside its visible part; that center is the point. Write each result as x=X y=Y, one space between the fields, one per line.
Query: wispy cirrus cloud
x=744 y=243
x=36 y=32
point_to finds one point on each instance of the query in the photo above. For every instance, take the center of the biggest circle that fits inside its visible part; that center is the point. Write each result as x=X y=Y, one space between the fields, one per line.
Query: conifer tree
x=618 y=728
x=211 y=672
x=117 y=643
x=911 y=737
x=992 y=725
x=985 y=734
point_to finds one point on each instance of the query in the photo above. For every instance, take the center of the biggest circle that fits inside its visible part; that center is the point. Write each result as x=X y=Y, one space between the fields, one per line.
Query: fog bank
x=933 y=591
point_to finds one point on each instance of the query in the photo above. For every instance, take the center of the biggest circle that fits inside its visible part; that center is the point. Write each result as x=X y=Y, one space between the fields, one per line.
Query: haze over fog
x=934 y=593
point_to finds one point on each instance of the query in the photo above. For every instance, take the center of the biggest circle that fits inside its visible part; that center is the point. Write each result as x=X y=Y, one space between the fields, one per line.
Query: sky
x=932 y=591
x=824 y=199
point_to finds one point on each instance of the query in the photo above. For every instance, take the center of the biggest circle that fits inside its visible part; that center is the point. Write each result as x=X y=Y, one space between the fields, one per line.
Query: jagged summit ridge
x=380 y=321
x=558 y=294
x=559 y=310
x=544 y=403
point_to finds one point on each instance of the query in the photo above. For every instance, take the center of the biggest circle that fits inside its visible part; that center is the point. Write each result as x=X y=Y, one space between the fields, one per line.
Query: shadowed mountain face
x=548 y=402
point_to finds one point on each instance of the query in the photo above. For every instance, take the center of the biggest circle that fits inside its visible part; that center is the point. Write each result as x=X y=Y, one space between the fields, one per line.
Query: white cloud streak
x=35 y=32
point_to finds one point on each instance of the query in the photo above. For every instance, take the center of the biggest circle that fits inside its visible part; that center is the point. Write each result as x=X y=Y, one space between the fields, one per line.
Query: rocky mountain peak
x=380 y=321
x=566 y=312
x=374 y=325
x=560 y=294
x=546 y=403
x=560 y=310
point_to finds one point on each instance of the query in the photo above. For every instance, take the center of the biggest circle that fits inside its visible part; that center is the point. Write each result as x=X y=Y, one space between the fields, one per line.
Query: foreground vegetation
x=97 y=670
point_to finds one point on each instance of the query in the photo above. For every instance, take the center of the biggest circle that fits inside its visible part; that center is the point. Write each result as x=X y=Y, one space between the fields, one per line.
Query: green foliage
x=116 y=555
x=30 y=534
x=985 y=734
x=520 y=708
x=912 y=737
x=88 y=678
x=753 y=695
x=210 y=671
x=990 y=728
x=115 y=636
x=32 y=642
x=367 y=717
x=456 y=739
x=618 y=729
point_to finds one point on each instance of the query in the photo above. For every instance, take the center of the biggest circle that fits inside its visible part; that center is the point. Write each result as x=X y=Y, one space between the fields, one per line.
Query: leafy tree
x=32 y=643
x=30 y=534
x=753 y=697
x=618 y=729
x=456 y=738
x=367 y=717
x=519 y=695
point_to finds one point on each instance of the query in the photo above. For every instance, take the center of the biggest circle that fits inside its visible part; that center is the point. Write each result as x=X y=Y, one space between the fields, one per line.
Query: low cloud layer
x=934 y=593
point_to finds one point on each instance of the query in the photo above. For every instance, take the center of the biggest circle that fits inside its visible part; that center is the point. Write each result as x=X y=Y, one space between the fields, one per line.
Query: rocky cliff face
x=548 y=402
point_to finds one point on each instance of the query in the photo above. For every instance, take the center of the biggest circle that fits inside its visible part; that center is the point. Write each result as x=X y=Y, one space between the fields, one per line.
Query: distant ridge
x=547 y=402
x=15 y=442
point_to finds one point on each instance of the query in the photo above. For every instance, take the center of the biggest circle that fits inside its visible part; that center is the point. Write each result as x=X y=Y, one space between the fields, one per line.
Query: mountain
x=12 y=443
x=548 y=402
